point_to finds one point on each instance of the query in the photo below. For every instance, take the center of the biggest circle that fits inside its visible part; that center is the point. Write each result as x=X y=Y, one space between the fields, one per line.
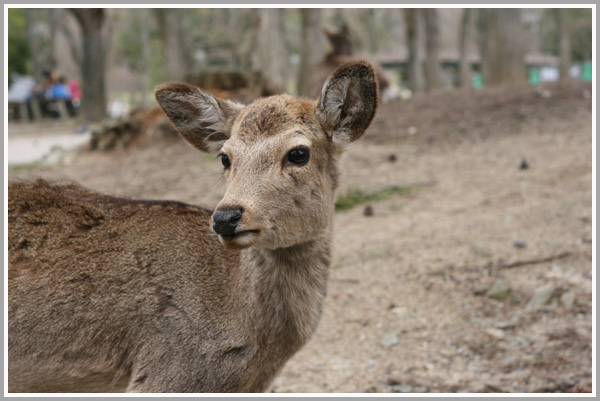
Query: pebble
x=567 y=299
x=339 y=364
x=495 y=333
x=480 y=290
x=509 y=359
x=399 y=310
x=368 y=211
x=392 y=158
x=504 y=325
x=412 y=130
x=401 y=388
x=520 y=244
x=499 y=290
x=541 y=297
x=524 y=165
x=389 y=340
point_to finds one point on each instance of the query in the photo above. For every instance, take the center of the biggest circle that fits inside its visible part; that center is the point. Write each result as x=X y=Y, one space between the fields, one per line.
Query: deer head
x=279 y=154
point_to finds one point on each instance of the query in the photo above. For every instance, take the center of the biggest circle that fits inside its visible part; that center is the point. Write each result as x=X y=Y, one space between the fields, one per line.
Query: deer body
x=114 y=294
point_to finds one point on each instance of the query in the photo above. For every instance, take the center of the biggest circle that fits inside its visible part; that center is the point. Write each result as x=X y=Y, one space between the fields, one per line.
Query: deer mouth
x=241 y=239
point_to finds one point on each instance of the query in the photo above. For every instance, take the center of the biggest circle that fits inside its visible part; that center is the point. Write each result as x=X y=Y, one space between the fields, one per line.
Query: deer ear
x=348 y=102
x=202 y=119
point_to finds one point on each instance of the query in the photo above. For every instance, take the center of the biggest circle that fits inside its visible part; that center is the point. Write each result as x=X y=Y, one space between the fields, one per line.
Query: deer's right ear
x=202 y=119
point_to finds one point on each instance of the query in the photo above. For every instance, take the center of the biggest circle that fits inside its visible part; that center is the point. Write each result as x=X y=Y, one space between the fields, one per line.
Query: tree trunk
x=432 y=46
x=33 y=43
x=41 y=44
x=415 y=78
x=310 y=50
x=270 y=56
x=93 y=100
x=170 y=26
x=564 y=45
x=504 y=60
x=144 y=16
x=50 y=44
x=464 y=75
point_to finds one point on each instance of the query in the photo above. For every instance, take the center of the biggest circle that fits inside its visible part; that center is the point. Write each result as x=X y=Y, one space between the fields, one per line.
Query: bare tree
x=142 y=17
x=171 y=32
x=464 y=76
x=310 y=49
x=269 y=56
x=93 y=102
x=41 y=37
x=564 y=44
x=503 y=47
x=32 y=41
x=412 y=21
x=432 y=48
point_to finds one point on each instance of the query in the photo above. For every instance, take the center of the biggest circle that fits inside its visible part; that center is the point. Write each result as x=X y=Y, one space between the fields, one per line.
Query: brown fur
x=115 y=294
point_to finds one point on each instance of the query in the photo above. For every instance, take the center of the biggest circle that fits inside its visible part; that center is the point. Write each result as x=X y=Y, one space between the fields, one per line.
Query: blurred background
x=463 y=240
x=111 y=59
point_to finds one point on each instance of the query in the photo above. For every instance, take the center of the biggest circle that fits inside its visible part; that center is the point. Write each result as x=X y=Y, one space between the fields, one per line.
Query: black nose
x=225 y=222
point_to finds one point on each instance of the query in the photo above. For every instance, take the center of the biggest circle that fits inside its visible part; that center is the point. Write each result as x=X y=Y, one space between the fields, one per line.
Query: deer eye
x=298 y=156
x=225 y=160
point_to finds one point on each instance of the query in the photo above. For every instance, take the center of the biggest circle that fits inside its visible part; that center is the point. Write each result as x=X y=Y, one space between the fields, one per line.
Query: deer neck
x=289 y=287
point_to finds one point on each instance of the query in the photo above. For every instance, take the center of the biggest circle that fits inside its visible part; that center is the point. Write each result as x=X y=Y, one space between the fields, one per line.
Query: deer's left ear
x=348 y=102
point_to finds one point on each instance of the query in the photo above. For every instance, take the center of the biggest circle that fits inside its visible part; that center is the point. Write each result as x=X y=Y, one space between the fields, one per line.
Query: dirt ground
x=409 y=307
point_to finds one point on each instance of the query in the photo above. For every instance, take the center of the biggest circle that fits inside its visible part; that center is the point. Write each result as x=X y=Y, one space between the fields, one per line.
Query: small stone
x=495 y=333
x=399 y=310
x=541 y=297
x=524 y=164
x=392 y=158
x=339 y=364
x=509 y=359
x=480 y=290
x=389 y=341
x=520 y=244
x=412 y=130
x=499 y=290
x=504 y=325
x=567 y=299
x=401 y=388
x=368 y=211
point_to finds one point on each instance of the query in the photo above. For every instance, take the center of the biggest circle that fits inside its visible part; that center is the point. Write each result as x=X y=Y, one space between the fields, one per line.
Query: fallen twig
x=520 y=263
x=411 y=185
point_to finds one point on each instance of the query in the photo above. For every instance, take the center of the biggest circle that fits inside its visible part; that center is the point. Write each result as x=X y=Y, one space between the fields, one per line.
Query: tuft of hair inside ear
x=203 y=120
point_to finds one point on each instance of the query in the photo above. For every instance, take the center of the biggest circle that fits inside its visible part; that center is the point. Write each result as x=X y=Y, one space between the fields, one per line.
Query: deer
x=114 y=294
x=342 y=52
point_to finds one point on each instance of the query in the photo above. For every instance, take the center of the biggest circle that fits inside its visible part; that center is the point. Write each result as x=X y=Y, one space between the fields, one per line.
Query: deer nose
x=225 y=222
